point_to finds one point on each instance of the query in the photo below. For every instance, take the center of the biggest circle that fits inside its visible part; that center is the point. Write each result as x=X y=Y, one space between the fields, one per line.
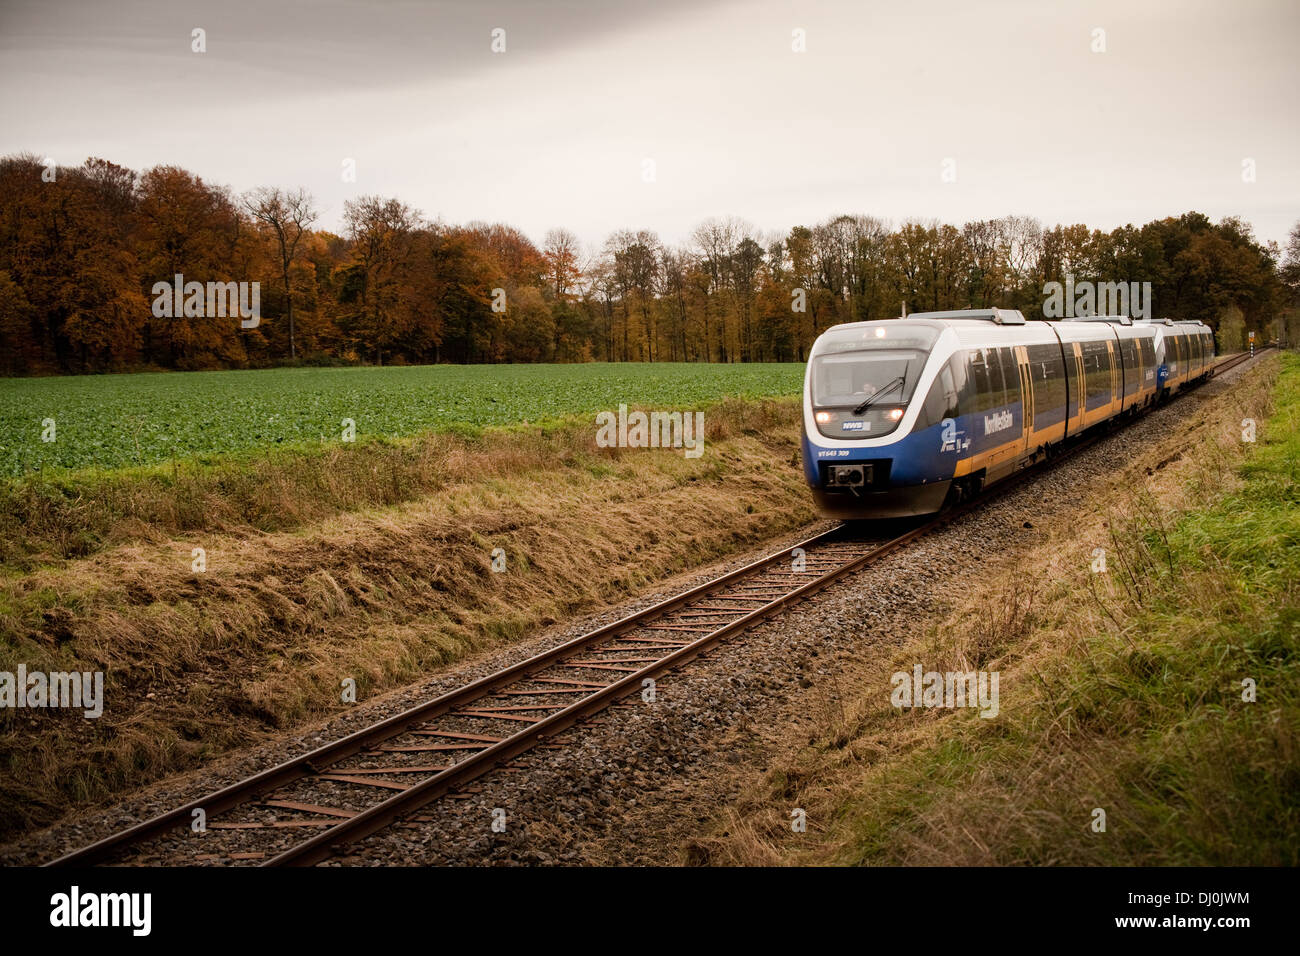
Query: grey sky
x=555 y=131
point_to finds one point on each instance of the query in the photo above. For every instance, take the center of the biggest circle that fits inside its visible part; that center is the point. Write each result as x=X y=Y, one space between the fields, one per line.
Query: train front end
x=874 y=420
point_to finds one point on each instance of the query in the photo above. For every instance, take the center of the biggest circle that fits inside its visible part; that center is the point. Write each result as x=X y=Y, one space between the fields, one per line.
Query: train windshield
x=878 y=363
x=885 y=376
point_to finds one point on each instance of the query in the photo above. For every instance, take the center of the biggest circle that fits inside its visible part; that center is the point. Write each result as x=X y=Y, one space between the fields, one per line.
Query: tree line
x=82 y=250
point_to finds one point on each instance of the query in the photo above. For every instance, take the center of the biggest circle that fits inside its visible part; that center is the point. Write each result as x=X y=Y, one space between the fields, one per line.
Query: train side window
x=1048 y=382
x=1010 y=376
x=981 y=387
x=957 y=367
x=950 y=394
x=941 y=401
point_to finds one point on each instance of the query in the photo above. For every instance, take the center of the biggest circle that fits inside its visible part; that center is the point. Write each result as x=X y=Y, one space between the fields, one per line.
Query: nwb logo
x=195 y=300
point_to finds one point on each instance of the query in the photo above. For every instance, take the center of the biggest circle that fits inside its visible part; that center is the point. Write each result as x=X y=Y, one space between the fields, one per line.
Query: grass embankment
x=371 y=562
x=1121 y=690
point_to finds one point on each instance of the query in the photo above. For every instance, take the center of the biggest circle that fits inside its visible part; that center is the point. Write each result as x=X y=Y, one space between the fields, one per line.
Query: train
x=903 y=417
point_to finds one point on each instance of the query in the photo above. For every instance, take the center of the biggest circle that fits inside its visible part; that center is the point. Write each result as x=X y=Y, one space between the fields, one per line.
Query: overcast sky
x=556 y=130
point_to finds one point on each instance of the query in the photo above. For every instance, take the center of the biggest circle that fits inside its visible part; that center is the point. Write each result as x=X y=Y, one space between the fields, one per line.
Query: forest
x=82 y=248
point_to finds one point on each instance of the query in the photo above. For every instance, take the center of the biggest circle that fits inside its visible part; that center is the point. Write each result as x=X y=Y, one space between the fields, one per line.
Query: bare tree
x=288 y=215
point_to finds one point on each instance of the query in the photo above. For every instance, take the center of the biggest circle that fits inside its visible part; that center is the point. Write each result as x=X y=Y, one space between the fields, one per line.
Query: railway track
x=301 y=811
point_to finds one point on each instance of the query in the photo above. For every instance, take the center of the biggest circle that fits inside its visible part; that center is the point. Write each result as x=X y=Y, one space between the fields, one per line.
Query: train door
x=1026 y=393
x=1116 y=376
x=1080 y=388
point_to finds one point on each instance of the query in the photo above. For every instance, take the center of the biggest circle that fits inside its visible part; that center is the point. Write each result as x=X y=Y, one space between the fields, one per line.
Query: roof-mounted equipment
x=1000 y=316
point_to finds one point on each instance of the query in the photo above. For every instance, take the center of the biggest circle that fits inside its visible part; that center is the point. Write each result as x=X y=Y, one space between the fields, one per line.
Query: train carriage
x=1184 y=352
x=903 y=415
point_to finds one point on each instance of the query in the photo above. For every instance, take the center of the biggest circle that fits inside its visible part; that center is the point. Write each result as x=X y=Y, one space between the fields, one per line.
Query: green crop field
x=115 y=421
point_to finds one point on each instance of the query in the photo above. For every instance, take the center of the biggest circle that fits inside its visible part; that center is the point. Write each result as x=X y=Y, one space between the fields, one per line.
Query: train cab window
x=849 y=378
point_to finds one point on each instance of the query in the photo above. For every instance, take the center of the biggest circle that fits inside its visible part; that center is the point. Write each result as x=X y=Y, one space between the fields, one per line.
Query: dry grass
x=199 y=663
x=1119 y=691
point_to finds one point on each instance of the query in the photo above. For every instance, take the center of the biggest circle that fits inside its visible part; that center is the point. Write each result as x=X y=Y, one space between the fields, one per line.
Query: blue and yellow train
x=904 y=415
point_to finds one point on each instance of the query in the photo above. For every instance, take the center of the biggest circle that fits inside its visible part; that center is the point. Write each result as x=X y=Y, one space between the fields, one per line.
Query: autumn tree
x=188 y=228
x=68 y=251
x=287 y=215
x=380 y=232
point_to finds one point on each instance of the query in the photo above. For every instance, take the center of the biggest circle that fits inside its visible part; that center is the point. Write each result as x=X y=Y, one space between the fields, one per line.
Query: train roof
x=1185 y=325
x=1000 y=316
x=968 y=318
x=1113 y=319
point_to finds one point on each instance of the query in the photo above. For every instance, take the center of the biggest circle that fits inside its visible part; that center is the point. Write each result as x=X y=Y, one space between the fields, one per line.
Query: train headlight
x=823 y=417
x=895 y=414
